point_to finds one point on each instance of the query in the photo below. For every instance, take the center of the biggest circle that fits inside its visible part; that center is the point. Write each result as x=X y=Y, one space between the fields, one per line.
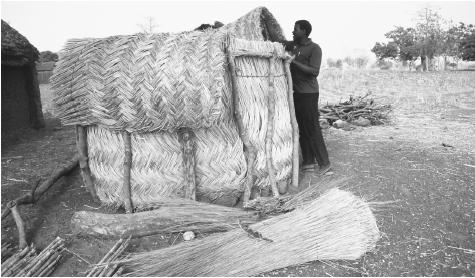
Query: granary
x=204 y=115
x=21 y=102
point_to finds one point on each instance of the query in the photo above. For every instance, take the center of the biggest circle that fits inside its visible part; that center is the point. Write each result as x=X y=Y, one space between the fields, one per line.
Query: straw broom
x=337 y=225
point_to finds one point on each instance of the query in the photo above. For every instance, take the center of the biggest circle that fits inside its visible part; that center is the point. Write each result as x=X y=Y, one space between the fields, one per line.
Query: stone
x=340 y=124
x=324 y=123
x=188 y=235
x=362 y=122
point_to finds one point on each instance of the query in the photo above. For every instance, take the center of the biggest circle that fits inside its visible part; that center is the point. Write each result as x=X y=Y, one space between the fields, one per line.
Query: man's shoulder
x=314 y=45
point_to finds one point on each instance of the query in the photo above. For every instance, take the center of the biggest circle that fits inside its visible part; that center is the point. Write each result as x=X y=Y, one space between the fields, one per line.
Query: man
x=305 y=68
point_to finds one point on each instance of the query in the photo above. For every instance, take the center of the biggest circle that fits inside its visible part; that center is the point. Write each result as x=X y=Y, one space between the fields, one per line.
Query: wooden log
x=250 y=150
x=33 y=197
x=188 y=148
x=170 y=217
x=270 y=130
x=295 y=128
x=126 y=191
x=81 y=143
x=20 y=225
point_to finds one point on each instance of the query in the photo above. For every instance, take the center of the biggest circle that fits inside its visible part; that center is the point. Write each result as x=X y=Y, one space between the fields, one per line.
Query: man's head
x=302 y=29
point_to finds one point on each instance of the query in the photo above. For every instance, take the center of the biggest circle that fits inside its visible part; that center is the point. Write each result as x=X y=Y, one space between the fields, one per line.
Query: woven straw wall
x=143 y=82
x=157 y=165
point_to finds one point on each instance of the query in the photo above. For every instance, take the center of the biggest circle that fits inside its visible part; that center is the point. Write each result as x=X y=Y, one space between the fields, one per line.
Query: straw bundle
x=157 y=169
x=337 y=225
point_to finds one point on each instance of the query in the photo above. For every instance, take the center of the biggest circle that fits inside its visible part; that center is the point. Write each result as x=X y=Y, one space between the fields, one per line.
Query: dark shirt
x=309 y=54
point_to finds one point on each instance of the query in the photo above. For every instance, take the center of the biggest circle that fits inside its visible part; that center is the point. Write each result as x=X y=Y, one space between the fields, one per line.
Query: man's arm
x=315 y=62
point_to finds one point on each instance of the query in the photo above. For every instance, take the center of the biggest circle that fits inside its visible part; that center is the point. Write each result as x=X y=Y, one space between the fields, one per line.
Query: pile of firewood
x=354 y=108
x=105 y=267
x=26 y=263
x=7 y=250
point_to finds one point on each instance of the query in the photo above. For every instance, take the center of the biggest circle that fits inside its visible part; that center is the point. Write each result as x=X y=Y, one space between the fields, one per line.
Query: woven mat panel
x=252 y=82
x=220 y=164
x=143 y=82
x=157 y=164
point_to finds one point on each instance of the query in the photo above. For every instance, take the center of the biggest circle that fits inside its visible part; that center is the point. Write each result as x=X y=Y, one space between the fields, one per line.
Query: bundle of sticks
x=106 y=267
x=26 y=263
x=355 y=107
x=7 y=250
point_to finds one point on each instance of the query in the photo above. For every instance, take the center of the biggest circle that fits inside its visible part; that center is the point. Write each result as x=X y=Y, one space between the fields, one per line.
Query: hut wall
x=157 y=165
x=15 y=105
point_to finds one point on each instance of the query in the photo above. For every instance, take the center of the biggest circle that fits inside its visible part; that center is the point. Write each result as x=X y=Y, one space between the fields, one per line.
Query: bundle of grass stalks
x=338 y=225
x=105 y=267
x=26 y=263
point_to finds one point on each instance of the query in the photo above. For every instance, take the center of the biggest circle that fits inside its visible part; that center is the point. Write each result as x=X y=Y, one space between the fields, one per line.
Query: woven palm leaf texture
x=153 y=85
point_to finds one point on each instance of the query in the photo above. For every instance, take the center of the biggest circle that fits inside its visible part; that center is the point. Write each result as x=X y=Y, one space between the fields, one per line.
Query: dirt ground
x=423 y=163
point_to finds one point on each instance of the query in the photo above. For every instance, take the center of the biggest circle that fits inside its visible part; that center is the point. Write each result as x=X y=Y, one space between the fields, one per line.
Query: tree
x=406 y=41
x=383 y=51
x=361 y=62
x=48 y=56
x=430 y=35
x=467 y=47
x=148 y=27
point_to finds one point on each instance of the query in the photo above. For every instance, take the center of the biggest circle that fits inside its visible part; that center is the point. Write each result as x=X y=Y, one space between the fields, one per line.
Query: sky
x=341 y=28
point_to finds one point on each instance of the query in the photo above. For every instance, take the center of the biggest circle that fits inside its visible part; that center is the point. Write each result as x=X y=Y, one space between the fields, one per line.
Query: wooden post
x=188 y=148
x=127 y=167
x=295 y=128
x=81 y=144
x=270 y=129
x=250 y=150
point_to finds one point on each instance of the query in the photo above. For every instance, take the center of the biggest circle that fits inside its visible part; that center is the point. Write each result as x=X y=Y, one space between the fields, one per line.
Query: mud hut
x=200 y=114
x=21 y=102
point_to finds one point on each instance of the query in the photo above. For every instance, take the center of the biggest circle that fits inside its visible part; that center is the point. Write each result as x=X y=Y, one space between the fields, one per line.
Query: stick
x=30 y=198
x=19 y=224
x=295 y=129
x=127 y=169
x=111 y=251
x=81 y=143
x=270 y=130
x=188 y=148
x=10 y=262
x=249 y=149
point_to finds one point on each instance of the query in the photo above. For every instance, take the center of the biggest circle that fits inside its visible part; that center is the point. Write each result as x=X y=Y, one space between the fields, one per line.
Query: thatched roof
x=16 y=49
x=149 y=82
